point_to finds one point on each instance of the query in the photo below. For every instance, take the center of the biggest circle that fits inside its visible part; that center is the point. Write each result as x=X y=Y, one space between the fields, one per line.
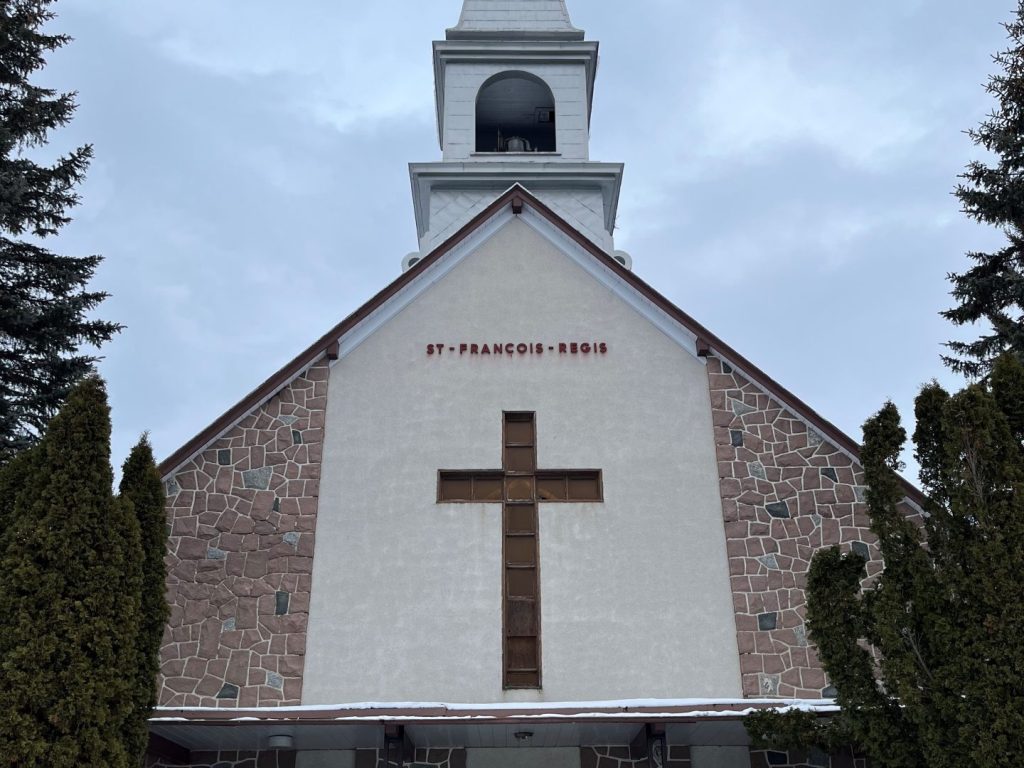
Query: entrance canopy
x=692 y=722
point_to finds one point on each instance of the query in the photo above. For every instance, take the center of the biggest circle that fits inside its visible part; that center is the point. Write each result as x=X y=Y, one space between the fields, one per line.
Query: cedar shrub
x=70 y=584
x=927 y=659
x=142 y=487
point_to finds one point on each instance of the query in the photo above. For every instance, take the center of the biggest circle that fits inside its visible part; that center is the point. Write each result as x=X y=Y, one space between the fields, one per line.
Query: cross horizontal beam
x=519 y=486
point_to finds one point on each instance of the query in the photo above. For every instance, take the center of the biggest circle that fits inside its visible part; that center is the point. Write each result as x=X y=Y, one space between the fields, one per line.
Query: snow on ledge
x=442 y=711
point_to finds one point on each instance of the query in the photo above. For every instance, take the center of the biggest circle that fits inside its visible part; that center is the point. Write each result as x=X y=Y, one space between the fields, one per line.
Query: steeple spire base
x=514 y=20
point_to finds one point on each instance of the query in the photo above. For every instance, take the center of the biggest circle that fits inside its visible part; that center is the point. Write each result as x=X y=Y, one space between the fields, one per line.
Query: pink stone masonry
x=786 y=492
x=242 y=518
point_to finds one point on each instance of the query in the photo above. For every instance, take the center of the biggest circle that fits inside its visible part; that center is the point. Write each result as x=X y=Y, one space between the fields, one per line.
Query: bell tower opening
x=515 y=112
x=514 y=88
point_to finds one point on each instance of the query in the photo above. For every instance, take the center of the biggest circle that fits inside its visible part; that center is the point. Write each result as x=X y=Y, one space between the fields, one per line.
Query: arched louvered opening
x=515 y=112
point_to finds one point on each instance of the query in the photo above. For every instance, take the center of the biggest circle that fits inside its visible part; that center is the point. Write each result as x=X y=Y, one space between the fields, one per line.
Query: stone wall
x=764 y=758
x=618 y=757
x=242 y=518
x=424 y=758
x=786 y=492
x=266 y=759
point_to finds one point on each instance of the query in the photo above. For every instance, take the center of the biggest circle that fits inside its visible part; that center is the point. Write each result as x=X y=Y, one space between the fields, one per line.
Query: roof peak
x=514 y=20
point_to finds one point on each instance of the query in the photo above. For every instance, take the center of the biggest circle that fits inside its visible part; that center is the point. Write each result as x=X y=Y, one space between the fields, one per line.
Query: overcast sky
x=788 y=176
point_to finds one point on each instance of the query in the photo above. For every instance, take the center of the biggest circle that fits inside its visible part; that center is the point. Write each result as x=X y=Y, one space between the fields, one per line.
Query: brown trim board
x=327 y=345
x=675 y=712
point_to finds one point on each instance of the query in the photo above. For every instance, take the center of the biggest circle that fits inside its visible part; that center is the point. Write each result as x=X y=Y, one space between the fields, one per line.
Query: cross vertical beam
x=520 y=553
x=519 y=486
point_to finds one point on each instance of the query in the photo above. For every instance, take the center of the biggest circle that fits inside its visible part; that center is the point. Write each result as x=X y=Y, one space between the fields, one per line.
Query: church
x=518 y=509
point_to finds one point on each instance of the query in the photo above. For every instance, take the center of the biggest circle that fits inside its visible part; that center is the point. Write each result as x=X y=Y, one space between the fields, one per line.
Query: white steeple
x=514 y=85
x=514 y=19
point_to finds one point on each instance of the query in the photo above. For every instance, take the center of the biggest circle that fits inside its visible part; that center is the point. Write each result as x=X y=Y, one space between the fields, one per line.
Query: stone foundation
x=425 y=758
x=618 y=757
x=266 y=759
x=590 y=757
x=242 y=516
x=793 y=759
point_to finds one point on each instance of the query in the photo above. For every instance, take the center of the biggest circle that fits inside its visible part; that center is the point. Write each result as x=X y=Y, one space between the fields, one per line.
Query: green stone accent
x=257 y=479
x=229 y=691
x=739 y=408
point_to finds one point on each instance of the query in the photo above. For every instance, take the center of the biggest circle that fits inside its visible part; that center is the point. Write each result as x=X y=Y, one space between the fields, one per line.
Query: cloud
x=786 y=164
x=336 y=75
x=756 y=97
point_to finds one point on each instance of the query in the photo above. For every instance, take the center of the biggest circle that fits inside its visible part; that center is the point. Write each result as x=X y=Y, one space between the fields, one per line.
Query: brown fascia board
x=720 y=710
x=326 y=345
x=709 y=343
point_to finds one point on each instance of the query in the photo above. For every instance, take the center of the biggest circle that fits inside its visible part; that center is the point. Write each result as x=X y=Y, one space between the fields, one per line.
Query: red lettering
x=430 y=349
x=496 y=348
x=585 y=349
x=463 y=348
x=562 y=349
x=522 y=349
x=602 y=348
x=538 y=348
x=510 y=348
x=485 y=350
x=574 y=347
x=474 y=349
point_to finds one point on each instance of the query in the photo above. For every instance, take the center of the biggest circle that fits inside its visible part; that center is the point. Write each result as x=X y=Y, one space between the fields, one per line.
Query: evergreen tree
x=70 y=583
x=142 y=487
x=928 y=661
x=43 y=300
x=993 y=289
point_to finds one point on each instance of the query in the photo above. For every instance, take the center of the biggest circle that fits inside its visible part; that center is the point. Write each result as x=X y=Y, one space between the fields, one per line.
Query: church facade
x=518 y=509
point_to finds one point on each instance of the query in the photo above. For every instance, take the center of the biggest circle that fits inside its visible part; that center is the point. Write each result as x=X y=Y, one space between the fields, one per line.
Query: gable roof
x=328 y=346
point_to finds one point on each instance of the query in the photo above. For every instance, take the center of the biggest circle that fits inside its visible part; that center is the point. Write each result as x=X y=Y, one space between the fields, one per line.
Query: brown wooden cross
x=519 y=486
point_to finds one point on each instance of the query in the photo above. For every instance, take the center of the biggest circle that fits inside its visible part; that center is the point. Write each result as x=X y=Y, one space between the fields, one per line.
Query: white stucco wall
x=568 y=84
x=406 y=601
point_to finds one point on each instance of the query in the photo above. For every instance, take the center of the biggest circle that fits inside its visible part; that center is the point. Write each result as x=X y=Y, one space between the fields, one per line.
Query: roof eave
x=711 y=342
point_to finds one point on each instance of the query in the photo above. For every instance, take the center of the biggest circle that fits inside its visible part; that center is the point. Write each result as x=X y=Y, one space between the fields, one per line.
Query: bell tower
x=514 y=86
